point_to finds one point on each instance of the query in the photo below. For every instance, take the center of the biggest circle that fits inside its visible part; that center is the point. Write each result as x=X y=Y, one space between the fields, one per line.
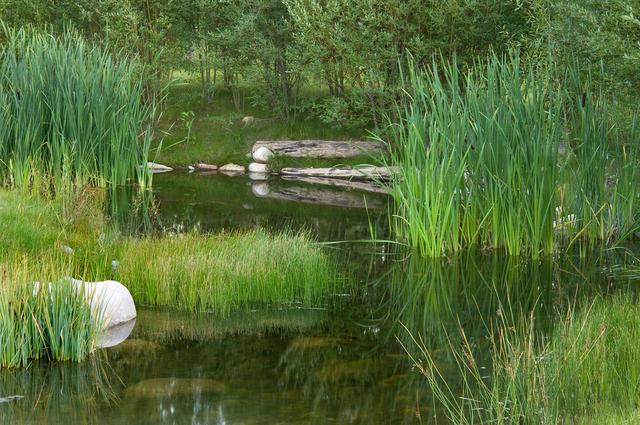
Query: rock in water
x=262 y=155
x=255 y=167
x=232 y=169
x=158 y=168
x=110 y=299
x=206 y=167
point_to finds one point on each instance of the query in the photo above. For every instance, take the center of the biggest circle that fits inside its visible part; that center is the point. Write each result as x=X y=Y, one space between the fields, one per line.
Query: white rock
x=115 y=334
x=67 y=249
x=248 y=120
x=255 y=167
x=206 y=167
x=262 y=155
x=111 y=300
x=158 y=168
x=260 y=189
x=232 y=169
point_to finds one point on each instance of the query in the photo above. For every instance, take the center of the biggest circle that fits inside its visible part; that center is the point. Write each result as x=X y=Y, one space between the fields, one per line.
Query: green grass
x=587 y=371
x=218 y=136
x=70 y=113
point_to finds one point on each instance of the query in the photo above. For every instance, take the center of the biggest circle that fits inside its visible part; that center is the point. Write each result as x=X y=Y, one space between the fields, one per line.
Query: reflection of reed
x=59 y=392
x=435 y=298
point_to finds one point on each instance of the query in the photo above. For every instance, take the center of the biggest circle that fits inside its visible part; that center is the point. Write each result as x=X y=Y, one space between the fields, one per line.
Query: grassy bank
x=215 y=134
x=506 y=157
x=585 y=372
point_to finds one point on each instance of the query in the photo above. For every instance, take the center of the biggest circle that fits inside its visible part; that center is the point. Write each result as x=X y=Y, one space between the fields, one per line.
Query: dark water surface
x=342 y=363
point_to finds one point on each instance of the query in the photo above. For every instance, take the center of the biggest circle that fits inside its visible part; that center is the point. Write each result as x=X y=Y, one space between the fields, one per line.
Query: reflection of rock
x=232 y=169
x=137 y=347
x=262 y=155
x=319 y=148
x=312 y=195
x=171 y=387
x=260 y=189
x=358 y=172
x=259 y=176
x=158 y=168
x=114 y=335
x=255 y=167
x=351 y=184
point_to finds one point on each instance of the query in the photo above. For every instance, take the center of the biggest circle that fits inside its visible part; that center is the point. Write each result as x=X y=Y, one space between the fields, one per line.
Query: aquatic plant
x=70 y=113
x=478 y=154
x=224 y=272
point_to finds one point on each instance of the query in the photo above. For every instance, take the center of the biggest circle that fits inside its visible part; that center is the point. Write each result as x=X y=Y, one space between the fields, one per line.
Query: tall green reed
x=70 y=111
x=478 y=153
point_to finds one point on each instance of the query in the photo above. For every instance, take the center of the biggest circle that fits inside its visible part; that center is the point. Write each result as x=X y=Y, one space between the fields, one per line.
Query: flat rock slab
x=320 y=148
x=349 y=173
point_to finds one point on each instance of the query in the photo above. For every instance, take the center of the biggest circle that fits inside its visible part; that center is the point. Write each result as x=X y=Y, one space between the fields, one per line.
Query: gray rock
x=262 y=155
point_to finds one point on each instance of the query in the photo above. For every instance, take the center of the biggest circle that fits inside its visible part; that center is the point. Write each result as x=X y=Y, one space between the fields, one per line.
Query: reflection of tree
x=133 y=211
x=69 y=393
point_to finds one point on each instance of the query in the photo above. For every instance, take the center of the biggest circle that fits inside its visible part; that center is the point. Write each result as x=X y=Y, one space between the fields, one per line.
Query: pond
x=345 y=362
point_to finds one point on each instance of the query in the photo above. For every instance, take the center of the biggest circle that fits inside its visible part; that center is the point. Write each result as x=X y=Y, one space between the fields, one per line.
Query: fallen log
x=318 y=148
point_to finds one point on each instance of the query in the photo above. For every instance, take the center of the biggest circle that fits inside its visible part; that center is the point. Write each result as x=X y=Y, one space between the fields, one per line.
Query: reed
x=478 y=153
x=70 y=112
x=45 y=321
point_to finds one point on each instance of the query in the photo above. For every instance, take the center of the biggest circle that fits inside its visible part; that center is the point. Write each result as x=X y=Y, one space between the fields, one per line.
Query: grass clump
x=478 y=154
x=70 y=112
x=585 y=372
x=42 y=321
x=221 y=273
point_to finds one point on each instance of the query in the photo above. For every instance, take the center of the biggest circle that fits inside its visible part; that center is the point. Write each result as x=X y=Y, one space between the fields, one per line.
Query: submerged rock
x=262 y=155
x=259 y=176
x=171 y=387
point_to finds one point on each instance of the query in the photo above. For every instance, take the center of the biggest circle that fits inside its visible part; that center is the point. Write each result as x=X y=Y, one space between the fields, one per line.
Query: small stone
x=206 y=167
x=255 y=167
x=262 y=155
x=248 y=120
x=232 y=169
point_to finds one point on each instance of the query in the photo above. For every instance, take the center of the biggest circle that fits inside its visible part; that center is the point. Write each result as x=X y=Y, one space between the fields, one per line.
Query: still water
x=344 y=362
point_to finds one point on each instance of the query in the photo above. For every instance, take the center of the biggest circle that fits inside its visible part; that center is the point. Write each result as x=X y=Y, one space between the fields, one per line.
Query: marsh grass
x=586 y=371
x=478 y=153
x=70 y=113
x=221 y=273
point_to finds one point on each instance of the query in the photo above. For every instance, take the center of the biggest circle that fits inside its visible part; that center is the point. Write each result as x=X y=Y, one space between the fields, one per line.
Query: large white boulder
x=110 y=300
x=262 y=155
